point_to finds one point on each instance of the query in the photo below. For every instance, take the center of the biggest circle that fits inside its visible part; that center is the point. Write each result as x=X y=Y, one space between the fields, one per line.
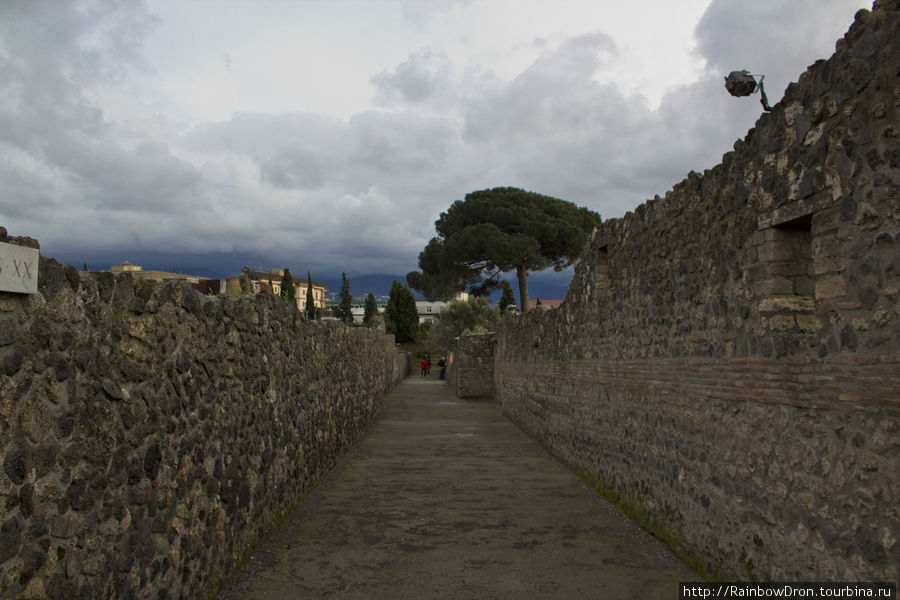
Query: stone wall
x=149 y=434
x=471 y=373
x=726 y=365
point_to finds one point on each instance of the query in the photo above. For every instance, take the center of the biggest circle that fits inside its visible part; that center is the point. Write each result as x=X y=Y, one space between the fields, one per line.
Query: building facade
x=429 y=309
x=270 y=282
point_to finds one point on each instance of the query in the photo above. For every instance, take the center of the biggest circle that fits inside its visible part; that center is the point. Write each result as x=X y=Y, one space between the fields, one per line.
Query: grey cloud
x=147 y=178
x=27 y=189
x=304 y=189
x=420 y=77
x=53 y=51
x=263 y=136
x=555 y=96
x=345 y=192
x=295 y=167
x=399 y=142
x=61 y=150
x=292 y=150
x=558 y=131
x=777 y=35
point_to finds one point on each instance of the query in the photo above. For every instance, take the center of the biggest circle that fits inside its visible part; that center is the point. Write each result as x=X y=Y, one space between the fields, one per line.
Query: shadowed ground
x=444 y=498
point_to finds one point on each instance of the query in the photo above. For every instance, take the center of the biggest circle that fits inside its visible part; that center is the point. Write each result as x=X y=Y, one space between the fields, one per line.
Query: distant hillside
x=548 y=286
x=362 y=285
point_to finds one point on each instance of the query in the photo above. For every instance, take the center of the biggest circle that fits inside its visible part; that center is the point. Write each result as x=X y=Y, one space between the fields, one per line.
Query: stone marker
x=18 y=269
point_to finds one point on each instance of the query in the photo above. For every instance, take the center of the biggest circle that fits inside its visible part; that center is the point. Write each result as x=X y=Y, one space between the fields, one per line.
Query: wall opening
x=784 y=288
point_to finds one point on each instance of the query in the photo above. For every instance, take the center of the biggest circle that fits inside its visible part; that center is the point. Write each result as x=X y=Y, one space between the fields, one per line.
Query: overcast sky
x=329 y=135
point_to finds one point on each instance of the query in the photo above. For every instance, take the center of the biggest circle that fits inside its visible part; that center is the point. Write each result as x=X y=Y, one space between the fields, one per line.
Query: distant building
x=139 y=273
x=269 y=282
x=544 y=304
x=357 y=309
x=125 y=267
x=429 y=309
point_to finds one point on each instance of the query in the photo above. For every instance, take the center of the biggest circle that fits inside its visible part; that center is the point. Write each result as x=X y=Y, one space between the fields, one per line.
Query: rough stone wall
x=149 y=434
x=471 y=374
x=727 y=361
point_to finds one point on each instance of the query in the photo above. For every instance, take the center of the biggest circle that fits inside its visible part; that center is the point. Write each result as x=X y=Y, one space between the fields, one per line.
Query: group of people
x=426 y=367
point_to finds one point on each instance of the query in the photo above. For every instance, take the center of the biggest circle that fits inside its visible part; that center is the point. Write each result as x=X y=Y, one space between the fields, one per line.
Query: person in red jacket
x=424 y=366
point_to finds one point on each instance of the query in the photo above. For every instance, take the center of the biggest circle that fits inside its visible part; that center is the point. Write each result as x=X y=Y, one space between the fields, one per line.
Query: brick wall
x=727 y=361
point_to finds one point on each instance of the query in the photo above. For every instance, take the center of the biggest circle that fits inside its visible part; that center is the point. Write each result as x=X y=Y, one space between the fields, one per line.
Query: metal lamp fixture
x=743 y=83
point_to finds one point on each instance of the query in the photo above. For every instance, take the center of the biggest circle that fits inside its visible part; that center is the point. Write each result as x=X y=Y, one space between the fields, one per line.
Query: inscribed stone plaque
x=18 y=269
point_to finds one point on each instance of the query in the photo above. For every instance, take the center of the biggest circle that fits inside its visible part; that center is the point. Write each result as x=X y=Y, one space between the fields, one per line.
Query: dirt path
x=445 y=498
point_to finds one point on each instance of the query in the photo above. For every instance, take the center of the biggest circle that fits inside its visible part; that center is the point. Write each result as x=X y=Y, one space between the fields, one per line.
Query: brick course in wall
x=727 y=360
x=149 y=434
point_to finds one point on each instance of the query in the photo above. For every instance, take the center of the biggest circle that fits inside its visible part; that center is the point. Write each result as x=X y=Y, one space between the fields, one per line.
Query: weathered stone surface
x=723 y=367
x=8 y=331
x=16 y=464
x=831 y=287
x=10 y=538
x=109 y=416
x=13 y=360
x=472 y=374
x=803 y=304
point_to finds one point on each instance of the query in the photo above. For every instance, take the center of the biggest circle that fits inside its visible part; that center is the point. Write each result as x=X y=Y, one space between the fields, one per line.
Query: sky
x=328 y=136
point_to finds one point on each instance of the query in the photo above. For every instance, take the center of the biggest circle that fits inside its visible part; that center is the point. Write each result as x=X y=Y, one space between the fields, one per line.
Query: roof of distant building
x=547 y=303
x=275 y=277
x=142 y=273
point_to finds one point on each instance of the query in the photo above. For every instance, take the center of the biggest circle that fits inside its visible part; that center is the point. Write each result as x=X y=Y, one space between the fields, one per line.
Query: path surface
x=444 y=498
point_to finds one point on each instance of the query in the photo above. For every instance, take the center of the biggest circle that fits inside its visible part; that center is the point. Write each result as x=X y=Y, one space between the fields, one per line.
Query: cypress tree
x=506 y=298
x=371 y=309
x=310 y=304
x=345 y=312
x=287 y=287
x=400 y=315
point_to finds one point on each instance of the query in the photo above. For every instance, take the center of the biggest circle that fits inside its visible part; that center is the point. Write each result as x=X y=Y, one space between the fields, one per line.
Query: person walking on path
x=443 y=365
x=425 y=366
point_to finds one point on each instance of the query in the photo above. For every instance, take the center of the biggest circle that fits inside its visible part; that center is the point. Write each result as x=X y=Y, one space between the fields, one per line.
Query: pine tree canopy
x=499 y=230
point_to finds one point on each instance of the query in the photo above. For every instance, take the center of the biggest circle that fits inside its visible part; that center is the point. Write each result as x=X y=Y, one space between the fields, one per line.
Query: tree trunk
x=522 y=275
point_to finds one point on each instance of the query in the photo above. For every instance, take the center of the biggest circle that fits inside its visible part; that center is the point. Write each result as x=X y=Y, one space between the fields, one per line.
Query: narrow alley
x=445 y=498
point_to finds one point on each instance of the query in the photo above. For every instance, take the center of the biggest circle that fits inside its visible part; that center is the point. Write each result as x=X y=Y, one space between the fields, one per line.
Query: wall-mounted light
x=743 y=83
